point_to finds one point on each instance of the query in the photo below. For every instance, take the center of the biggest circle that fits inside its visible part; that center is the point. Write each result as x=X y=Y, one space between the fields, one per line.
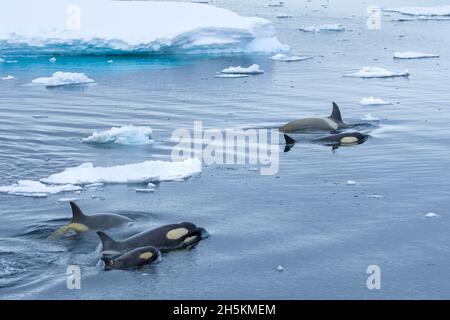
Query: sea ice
x=351 y=182
x=141 y=172
x=128 y=135
x=66 y=200
x=431 y=215
x=145 y=27
x=62 y=79
x=369 y=117
x=231 y=76
x=253 y=69
x=286 y=58
x=414 y=55
x=375 y=72
x=368 y=101
x=280 y=268
x=52 y=59
x=323 y=28
x=422 y=11
x=8 y=77
x=29 y=187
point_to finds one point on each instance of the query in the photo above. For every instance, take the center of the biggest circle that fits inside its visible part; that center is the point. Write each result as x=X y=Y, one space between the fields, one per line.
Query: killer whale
x=132 y=259
x=183 y=235
x=331 y=123
x=82 y=222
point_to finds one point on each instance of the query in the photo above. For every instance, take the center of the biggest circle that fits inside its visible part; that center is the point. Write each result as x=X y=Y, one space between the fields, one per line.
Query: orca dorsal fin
x=108 y=243
x=336 y=113
x=77 y=214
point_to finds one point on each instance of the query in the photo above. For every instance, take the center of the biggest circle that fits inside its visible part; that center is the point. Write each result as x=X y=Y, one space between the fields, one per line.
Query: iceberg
x=146 y=171
x=373 y=101
x=129 y=135
x=103 y=27
x=8 y=77
x=435 y=11
x=253 y=69
x=286 y=58
x=323 y=28
x=375 y=72
x=63 y=79
x=36 y=188
x=414 y=55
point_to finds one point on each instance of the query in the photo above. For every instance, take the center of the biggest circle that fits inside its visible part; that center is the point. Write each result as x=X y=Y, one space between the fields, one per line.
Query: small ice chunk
x=323 y=28
x=368 y=101
x=67 y=199
x=376 y=72
x=253 y=69
x=369 y=117
x=63 y=79
x=29 y=187
x=375 y=196
x=280 y=268
x=110 y=61
x=431 y=215
x=151 y=185
x=8 y=77
x=52 y=59
x=144 y=190
x=286 y=58
x=414 y=55
x=276 y=4
x=434 y=11
x=351 y=182
x=94 y=185
x=128 y=135
x=2 y=60
x=231 y=76
x=283 y=16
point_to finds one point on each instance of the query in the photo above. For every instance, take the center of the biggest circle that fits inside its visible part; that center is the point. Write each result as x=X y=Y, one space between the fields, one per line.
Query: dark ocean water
x=305 y=218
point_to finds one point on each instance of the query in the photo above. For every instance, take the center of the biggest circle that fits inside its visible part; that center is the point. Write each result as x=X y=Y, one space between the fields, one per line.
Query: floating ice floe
x=286 y=58
x=145 y=27
x=52 y=59
x=375 y=72
x=375 y=196
x=144 y=190
x=431 y=215
x=2 y=60
x=323 y=28
x=8 y=77
x=231 y=76
x=36 y=188
x=369 y=117
x=61 y=200
x=63 y=79
x=253 y=69
x=414 y=55
x=435 y=11
x=128 y=135
x=110 y=61
x=146 y=171
x=351 y=182
x=280 y=268
x=369 y=101
x=276 y=4
x=283 y=16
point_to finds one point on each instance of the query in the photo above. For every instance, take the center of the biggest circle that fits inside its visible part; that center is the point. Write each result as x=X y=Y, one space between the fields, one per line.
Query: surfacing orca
x=82 y=222
x=331 y=123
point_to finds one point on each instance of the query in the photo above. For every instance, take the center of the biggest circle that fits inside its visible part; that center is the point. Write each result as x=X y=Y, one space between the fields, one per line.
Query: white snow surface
x=141 y=172
x=77 y=27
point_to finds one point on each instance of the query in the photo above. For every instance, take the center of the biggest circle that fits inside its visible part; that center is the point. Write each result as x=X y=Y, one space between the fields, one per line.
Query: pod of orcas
x=138 y=250
x=146 y=247
x=332 y=123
